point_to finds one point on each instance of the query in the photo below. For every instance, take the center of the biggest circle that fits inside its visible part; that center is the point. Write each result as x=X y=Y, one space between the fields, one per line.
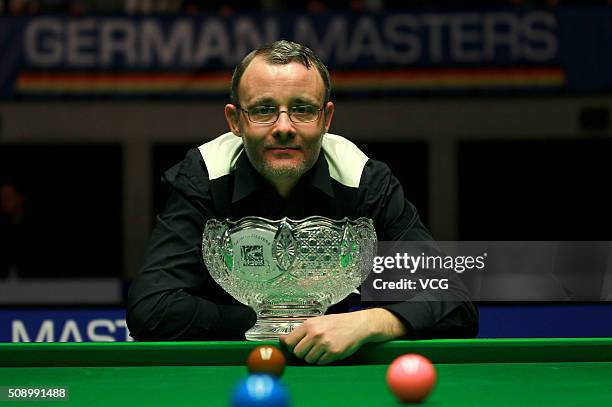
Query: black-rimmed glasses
x=270 y=114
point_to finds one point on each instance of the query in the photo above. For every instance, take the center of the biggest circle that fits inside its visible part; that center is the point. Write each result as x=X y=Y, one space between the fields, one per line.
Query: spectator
x=14 y=225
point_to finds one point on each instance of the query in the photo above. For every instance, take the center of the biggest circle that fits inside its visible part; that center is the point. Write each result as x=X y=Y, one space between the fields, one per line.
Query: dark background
x=73 y=204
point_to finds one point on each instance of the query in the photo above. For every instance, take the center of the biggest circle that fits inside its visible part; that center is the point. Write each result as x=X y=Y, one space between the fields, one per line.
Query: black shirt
x=174 y=297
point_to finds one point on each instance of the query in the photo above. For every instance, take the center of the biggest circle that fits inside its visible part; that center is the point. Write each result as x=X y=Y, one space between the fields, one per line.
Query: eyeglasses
x=270 y=114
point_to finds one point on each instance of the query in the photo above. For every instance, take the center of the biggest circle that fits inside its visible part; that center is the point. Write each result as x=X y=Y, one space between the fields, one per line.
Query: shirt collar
x=320 y=177
x=247 y=180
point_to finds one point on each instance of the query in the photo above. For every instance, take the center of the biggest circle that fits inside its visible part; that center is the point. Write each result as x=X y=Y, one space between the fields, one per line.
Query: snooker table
x=474 y=372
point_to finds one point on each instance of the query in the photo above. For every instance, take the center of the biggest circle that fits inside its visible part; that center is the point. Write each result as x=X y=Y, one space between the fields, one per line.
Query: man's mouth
x=282 y=149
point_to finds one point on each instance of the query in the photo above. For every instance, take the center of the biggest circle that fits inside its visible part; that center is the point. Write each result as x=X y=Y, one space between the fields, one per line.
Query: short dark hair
x=281 y=53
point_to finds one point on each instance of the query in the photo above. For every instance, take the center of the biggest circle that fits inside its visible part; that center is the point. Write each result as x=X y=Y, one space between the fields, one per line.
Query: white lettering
x=212 y=43
x=389 y=262
x=407 y=44
x=435 y=23
x=82 y=43
x=542 y=43
x=70 y=329
x=18 y=331
x=377 y=268
x=118 y=37
x=94 y=324
x=334 y=38
x=400 y=39
x=248 y=38
x=494 y=37
x=465 y=39
x=434 y=283
x=416 y=263
x=120 y=323
x=49 y=32
x=366 y=41
x=178 y=44
x=45 y=333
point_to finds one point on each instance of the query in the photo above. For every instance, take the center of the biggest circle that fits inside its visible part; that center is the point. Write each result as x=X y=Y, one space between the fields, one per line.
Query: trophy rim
x=245 y=221
x=345 y=228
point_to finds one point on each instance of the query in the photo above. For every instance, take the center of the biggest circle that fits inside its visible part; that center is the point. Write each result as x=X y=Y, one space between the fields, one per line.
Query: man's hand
x=333 y=337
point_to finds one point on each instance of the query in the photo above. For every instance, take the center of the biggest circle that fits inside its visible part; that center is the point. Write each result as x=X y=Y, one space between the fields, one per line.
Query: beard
x=282 y=171
x=278 y=170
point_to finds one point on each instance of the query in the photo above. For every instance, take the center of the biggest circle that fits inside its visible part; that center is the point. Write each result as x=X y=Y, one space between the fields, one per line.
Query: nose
x=284 y=128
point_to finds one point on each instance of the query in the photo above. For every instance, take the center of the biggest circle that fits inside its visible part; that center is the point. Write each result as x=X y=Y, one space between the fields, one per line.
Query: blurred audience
x=17 y=239
x=32 y=244
x=228 y=7
x=150 y=6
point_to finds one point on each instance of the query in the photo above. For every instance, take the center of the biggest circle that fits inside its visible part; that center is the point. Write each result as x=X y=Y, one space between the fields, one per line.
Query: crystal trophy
x=288 y=270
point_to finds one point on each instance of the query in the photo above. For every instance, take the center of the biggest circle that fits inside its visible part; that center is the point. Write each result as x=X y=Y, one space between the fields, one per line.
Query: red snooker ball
x=411 y=378
x=266 y=360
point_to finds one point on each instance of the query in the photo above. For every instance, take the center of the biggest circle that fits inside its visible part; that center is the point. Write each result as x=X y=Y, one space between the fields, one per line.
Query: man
x=277 y=161
x=18 y=234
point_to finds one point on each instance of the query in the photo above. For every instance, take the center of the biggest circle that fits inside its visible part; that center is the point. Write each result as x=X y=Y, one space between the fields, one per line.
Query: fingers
x=316 y=353
x=326 y=358
x=313 y=350
x=323 y=340
x=293 y=338
x=304 y=347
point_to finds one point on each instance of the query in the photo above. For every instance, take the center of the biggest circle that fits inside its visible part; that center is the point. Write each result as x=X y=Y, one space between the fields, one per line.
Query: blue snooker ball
x=260 y=390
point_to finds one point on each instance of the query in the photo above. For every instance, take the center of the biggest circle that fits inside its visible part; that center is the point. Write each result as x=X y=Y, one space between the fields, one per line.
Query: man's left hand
x=327 y=338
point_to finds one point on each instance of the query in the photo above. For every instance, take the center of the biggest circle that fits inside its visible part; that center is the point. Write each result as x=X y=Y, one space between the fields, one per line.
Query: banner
x=496 y=321
x=56 y=325
x=494 y=50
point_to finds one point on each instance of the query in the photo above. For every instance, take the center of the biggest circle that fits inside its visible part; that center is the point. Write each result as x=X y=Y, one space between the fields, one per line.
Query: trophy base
x=273 y=322
x=271 y=330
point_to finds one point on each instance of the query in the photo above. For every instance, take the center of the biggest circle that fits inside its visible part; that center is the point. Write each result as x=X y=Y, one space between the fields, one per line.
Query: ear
x=328 y=115
x=232 y=116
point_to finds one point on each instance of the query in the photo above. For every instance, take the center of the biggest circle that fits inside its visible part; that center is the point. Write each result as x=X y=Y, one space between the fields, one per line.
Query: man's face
x=283 y=150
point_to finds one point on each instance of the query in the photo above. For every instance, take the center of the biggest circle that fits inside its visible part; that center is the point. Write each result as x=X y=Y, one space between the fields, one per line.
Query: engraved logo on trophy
x=252 y=255
x=253 y=252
